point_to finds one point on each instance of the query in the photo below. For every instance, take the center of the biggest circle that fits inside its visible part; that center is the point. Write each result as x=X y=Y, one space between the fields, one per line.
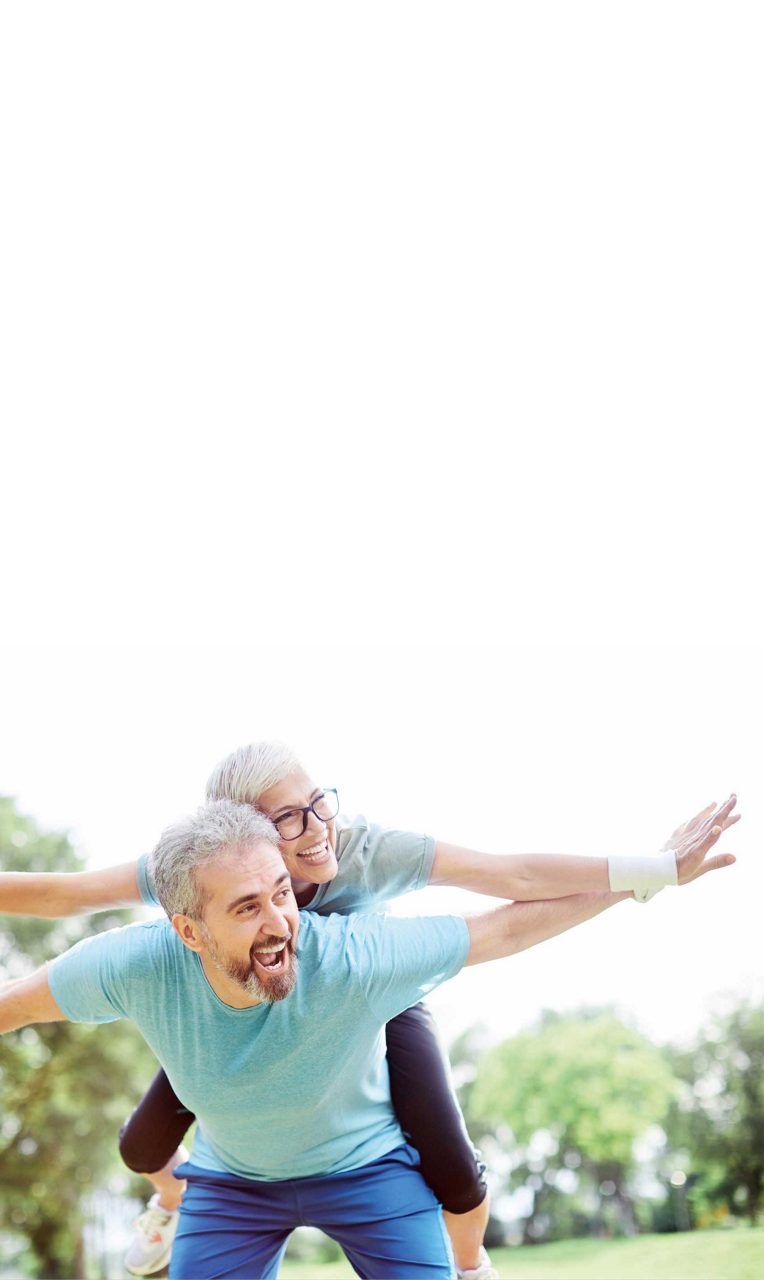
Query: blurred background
x=387 y=379
x=612 y=1077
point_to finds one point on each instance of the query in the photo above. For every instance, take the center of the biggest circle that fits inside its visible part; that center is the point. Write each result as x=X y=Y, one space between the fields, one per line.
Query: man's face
x=250 y=923
x=310 y=858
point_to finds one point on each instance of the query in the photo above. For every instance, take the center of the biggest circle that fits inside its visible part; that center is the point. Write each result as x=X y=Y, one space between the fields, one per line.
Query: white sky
x=425 y=321
x=435 y=323
x=507 y=749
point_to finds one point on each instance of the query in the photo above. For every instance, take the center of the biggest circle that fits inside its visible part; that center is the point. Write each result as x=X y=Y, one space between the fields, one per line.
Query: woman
x=343 y=866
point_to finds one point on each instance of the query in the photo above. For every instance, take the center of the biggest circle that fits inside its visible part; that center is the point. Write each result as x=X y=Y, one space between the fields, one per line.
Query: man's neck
x=226 y=989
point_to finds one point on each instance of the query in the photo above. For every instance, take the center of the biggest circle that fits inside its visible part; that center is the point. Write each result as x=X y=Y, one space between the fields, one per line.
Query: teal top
x=374 y=864
x=287 y=1090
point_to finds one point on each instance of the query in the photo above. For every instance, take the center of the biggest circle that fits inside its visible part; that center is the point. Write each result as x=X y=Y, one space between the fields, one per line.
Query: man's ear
x=188 y=931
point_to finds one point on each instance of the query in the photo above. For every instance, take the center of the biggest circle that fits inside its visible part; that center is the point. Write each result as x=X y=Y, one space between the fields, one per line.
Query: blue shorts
x=383 y=1215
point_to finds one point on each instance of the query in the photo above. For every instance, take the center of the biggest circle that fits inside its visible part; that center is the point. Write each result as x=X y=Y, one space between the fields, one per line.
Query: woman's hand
x=694 y=839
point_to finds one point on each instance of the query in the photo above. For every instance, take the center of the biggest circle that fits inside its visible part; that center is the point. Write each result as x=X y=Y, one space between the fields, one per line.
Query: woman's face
x=310 y=858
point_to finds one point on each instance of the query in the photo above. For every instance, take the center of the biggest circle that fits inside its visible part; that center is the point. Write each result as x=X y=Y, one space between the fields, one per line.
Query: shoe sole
x=155 y=1266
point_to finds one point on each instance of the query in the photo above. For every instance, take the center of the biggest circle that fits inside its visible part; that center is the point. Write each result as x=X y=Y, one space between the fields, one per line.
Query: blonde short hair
x=249 y=771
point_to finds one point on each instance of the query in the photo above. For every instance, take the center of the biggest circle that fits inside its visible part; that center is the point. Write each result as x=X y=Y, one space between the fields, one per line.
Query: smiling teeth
x=312 y=854
x=267 y=951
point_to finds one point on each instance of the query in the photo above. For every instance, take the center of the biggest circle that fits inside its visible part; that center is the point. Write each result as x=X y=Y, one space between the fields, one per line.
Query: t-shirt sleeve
x=376 y=864
x=146 y=882
x=401 y=960
x=87 y=982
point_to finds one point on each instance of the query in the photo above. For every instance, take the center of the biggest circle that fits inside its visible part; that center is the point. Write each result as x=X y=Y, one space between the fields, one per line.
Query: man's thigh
x=413 y=1247
x=230 y=1228
x=384 y=1216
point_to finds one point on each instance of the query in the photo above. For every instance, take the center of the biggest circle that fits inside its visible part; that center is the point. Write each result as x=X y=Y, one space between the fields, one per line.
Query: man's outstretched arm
x=51 y=894
x=28 y=1000
x=515 y=926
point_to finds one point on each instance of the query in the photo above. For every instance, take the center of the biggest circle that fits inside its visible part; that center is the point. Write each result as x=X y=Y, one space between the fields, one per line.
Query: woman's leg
x=151 y=1144
x=429 y=1115
x=151 y=1141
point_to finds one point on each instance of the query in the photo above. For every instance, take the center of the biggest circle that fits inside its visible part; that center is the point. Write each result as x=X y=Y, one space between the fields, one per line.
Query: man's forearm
x=516 y=926
x=53 y=894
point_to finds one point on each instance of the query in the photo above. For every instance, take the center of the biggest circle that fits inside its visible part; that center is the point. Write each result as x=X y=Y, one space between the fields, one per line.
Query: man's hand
x=692 y=841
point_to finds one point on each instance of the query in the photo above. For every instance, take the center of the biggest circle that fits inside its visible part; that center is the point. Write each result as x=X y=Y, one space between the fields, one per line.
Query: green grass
x=693 y=1255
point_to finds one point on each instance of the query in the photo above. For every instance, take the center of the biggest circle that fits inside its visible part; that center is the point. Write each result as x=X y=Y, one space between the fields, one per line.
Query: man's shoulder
x=144 y=933
x=130 y=943
x=337 y=934
x=342 y=929
x=336 y=923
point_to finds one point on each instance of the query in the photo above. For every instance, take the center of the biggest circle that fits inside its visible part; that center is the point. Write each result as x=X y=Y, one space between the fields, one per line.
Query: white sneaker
x=152 y=1243
x=483 y=1272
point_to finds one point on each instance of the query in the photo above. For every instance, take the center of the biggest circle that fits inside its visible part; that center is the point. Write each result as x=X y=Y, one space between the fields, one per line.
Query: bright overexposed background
x=431 y=320
x=431 y=325
x=502 y=748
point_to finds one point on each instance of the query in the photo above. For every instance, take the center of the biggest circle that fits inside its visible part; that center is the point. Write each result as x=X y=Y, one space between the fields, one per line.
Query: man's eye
x=245 y=911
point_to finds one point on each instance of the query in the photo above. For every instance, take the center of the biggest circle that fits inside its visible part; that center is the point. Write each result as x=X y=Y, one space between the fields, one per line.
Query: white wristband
x=644 y=877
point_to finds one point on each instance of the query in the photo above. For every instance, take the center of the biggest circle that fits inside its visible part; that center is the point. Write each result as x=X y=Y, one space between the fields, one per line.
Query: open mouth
x=273 y=957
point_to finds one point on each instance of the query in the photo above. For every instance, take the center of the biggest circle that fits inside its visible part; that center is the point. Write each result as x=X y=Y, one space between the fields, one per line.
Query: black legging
x=424 y=1103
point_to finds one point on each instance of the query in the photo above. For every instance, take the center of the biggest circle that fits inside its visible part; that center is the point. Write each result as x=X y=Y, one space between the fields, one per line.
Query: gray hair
x=217 y=828
x=248 y=772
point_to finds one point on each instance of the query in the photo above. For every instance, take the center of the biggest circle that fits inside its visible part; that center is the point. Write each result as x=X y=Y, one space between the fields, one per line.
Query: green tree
x=574 y=1095
x=720 y=1115
x=64 y=1090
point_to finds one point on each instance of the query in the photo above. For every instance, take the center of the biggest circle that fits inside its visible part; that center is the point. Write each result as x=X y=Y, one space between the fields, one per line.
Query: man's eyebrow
x=251 y=897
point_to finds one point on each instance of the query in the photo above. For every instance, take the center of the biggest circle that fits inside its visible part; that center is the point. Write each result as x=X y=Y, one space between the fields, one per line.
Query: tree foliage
x=575 y=1095
x=595 y=1083
x=720 y=1115
x=64 y=1090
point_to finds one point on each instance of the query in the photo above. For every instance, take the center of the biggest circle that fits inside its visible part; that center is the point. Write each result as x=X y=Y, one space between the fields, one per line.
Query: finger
x=726 y=808
x=693 y=822
x=720 y=814
x=714 y=864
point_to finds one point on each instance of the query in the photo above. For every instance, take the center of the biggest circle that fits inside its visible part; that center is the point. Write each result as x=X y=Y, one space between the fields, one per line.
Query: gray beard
x=246 y=976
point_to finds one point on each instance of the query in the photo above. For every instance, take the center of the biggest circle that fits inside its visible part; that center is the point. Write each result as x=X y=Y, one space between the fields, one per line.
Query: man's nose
x=274 y=921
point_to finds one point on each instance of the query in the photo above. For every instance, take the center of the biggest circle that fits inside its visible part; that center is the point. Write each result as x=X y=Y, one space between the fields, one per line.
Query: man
x=284 y=1068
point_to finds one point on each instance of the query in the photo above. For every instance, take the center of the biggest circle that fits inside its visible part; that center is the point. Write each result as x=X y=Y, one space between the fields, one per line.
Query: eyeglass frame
x=305 y=810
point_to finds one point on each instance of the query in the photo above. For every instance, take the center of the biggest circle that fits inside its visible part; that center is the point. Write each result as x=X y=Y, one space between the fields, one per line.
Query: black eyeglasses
x=292 y=825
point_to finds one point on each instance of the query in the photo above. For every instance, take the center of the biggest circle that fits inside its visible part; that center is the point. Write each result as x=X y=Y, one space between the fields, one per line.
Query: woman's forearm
x=524 y=877
x=53 y=894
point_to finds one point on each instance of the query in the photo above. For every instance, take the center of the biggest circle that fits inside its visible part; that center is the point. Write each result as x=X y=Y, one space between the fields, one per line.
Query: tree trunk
x=625 y=1211
x=753 y=1191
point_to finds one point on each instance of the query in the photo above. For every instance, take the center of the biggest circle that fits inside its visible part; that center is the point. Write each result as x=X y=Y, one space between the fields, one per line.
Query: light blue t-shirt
x=374 y=864
x=288 y=1090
